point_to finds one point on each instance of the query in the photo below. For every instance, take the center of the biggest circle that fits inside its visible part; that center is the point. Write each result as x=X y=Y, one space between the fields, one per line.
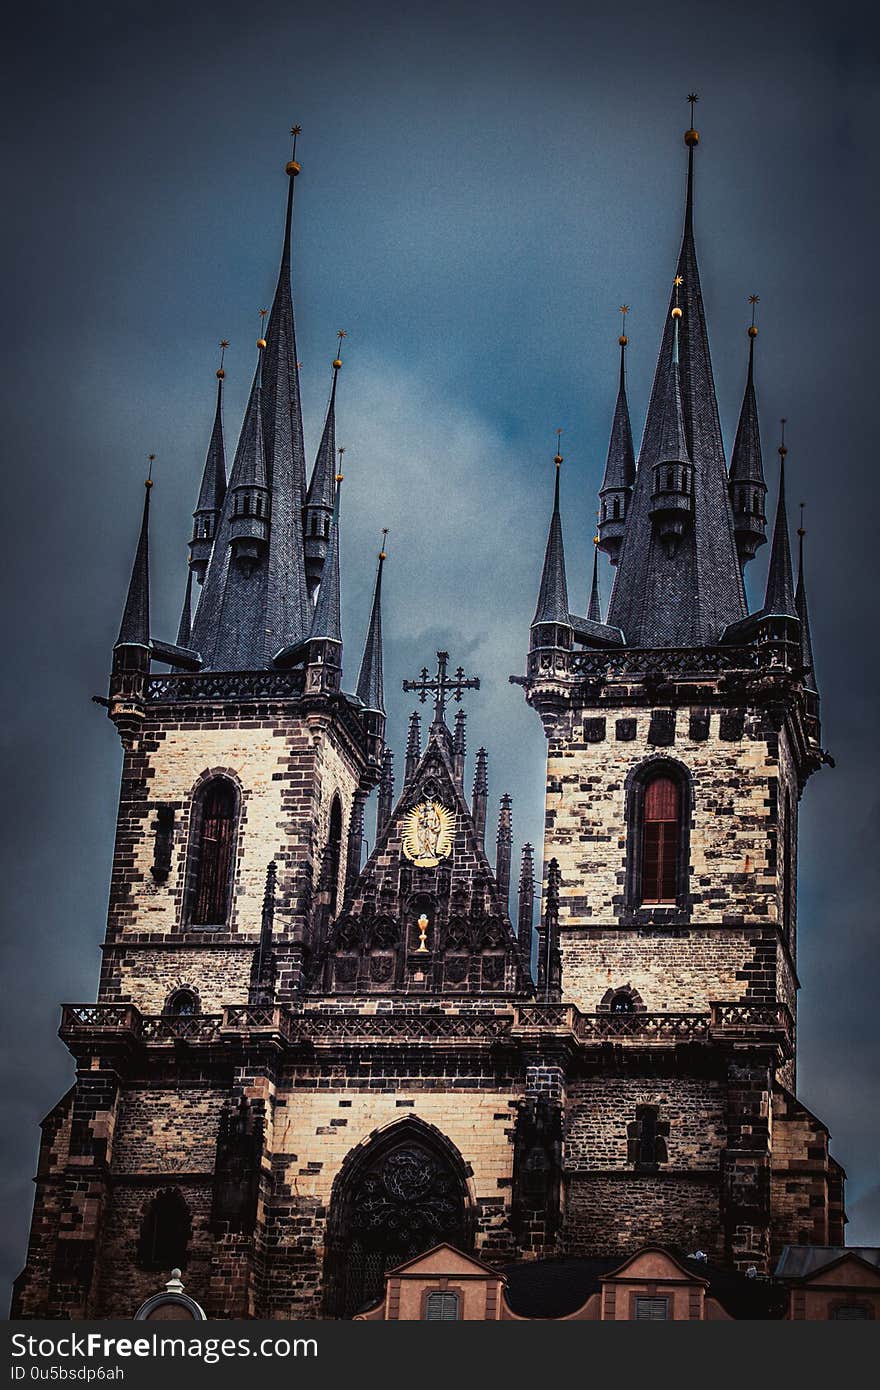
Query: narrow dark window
x=165 y=1232
x=334 y=847
x=259 y=506
x=621 y=1003
x=163 y=843
x=442 y=1307
x=670 y=479
x=182 y=1004
x=788 y=864
x=755 y=504
x=214 y=855
x=660 y=844
x=651 y=1309
x=326 y=526
x=849 y=1312
x=617 y=509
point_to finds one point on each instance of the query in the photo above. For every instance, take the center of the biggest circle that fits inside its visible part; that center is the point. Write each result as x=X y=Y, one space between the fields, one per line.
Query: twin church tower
x=303 y=1069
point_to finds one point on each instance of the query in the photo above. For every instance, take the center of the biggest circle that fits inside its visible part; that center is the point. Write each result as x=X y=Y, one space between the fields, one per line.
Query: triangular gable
x=846 y=1269
x=428 y=862
x=442 y=1260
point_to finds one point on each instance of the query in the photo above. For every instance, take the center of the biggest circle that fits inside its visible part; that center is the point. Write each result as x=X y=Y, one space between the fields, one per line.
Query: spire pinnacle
x=184 y=628
x=134 y=630
x=553 y=593
x=594 y=611
x=319 y=498
x=779 y=598
x=620 y=465
x=747 y=487
x=326 y=622
x=212 y=491
x=800 y=603
x=370 y=686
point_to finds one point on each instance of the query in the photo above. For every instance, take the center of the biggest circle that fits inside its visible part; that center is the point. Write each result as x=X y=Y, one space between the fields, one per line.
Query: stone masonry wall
x=288 y=772
x=734 y=882
x=599 y=1110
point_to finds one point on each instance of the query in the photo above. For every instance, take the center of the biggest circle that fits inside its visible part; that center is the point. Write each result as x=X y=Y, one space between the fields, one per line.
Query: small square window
x=441 y=1307
x=651 y=1309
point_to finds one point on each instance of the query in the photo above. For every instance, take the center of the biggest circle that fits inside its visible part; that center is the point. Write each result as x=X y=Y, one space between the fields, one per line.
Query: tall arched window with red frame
x=661 y=839
x=215 y=831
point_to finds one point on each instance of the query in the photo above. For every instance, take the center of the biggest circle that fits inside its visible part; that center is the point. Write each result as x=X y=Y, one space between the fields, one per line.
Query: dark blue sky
x=482 y=186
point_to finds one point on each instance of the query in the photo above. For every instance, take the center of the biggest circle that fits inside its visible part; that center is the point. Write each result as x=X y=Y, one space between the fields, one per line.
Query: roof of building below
x=557 y=1288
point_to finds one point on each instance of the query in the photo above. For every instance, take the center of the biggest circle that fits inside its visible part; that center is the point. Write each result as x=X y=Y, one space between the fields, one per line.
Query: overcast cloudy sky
x=483 y=185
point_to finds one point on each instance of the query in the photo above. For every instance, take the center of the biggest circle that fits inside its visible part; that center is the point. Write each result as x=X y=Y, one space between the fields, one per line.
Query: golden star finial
x=342 y=333
x=624 y=308
x=679 y=280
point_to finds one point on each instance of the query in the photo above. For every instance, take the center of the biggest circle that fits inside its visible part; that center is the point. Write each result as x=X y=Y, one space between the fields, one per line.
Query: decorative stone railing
x=636 y=663
x=314 y=1027
x=642 y=1027
x=204 y=686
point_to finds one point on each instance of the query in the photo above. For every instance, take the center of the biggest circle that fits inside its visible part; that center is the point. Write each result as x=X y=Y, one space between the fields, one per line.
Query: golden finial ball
x=340 y=477
x=292 y=168
x=692 y=137
x=148 y=482
x=623 y=340
x=337 y=363
x=261 y=343
x=676 y=313
x=382 y=555
x=220 y=374
x=753 y=332
x=557 y=460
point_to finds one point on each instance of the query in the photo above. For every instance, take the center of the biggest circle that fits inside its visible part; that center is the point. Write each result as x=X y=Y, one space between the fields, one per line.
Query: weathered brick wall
x=288 y=771
x=30 y=1297
x=217 y=974
x=123 y=1283
x=167 y=1130
x=610 y=1215
x=734 y=882
x=599 y=1110
x=801 y=1182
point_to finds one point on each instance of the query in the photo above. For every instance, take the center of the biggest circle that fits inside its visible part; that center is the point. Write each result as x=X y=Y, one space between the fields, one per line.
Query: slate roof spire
x=134 y=630
x=212 y=492
x=370 y=685
x=327 y=620
x=319 y=499
x=240 y=626
x=620 y=465
x=779 y=598
x=184 y=627
x=747 y=486
x=685 y=593
x=800 y=603
x=594 y=611
x=553 y=593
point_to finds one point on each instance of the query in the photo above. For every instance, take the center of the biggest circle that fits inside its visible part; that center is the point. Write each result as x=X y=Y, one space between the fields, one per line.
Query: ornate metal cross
x=442 y=686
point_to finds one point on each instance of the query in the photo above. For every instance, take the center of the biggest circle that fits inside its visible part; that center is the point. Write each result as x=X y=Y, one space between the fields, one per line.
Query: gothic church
x=304 y=1070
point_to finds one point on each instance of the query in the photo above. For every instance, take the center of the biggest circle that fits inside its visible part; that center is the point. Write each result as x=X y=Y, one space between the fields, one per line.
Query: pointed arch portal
x=394 y=1198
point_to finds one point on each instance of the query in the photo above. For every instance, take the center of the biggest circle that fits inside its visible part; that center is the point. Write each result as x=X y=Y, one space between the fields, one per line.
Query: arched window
x=395 y=1198
x=442 y=1306
x=212 y=840
x=622 y=1003
x=659 y=800
x=660 y=840
x=182 y=1004
x=165 y=1232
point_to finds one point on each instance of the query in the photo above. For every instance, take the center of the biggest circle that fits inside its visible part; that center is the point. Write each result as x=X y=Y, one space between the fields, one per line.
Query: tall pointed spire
x=779 y=598
x=370 y=686
x=481 y=793
x=319 y=499
x=800 y=603
x=594 y=611
x=503 y=848
x=747 y=486
x=212 y=492
x=327 y=619
x=526 y=904
x=184 y=627
x=413 y=747
x=134 y=630
x=620 y=466
x=288 y=610
x=553 y=593
x=683 y=592
x=459 y=745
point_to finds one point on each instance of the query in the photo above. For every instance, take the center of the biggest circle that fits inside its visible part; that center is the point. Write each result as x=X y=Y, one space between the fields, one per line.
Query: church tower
x=321 y=1045
x=681 y=733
